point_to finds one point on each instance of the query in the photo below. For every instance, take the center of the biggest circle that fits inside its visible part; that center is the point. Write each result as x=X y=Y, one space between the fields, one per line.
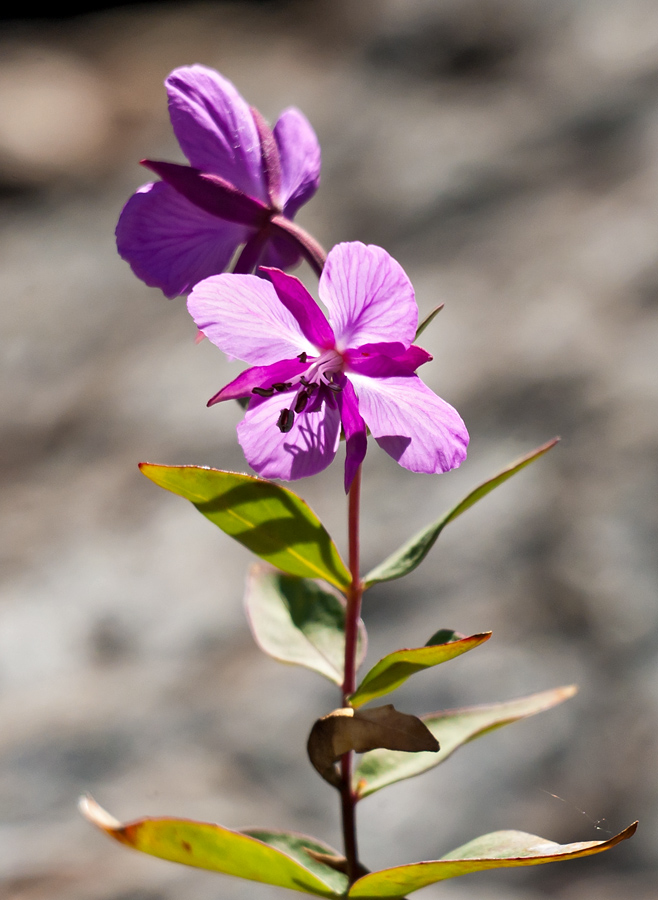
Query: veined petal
x=414 y=426
x=297 y=300
x=356 y=438
x=300 y=159
x=259 y=377
x=215 y=127
x=172 y=244
x=308 y=448
x=368 y=295
x=243 y=316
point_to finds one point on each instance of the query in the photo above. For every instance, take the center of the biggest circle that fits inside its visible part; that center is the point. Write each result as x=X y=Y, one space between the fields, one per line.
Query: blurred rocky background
x=506 y=153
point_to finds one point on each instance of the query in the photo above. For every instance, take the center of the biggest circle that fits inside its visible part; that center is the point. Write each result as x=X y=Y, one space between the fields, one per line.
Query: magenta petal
x=414 y=426
x=376 y=366
x=414 y=357
x=215 y=127
x=294 y=296
x=371 y=359
x=172 y=244
x=383 y=348
x=308 y=448
x=300 y=159
x=368 y=296
x=243 y=316
x=259 y=377
x=356 y=438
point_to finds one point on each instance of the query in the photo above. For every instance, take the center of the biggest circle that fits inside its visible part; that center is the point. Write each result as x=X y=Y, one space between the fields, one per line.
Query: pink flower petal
x=172 y=244
x=243 y=316
x=215 y=127
x=308 y=448
x=297 y=300
x=300 y=159
x=368 y=296
x=414 y=426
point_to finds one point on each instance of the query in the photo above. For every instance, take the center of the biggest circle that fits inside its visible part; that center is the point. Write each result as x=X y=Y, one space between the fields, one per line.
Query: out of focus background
x=506 y=153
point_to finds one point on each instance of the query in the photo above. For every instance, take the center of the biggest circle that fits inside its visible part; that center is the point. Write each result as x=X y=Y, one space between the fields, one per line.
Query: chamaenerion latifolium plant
x=312 y=379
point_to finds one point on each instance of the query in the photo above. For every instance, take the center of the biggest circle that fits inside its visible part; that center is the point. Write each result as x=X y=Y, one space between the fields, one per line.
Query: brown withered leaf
x=361 y=730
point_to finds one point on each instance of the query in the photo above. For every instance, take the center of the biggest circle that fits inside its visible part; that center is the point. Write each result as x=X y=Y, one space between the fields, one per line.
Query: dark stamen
x=263 y=392
x=311 y=387
x=302 y=400
x=336 y=388
x=281 y=386
x=285 y=420
x=302 y=357
x=304 y=380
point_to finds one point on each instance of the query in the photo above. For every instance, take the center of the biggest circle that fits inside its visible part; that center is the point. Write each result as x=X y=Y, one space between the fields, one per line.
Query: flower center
x=313 y=387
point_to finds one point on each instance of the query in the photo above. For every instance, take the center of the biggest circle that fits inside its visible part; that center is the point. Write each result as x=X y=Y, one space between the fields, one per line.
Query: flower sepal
x=212 y=193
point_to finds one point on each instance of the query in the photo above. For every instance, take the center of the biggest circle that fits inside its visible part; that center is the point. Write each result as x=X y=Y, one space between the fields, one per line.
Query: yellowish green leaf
x=309 y=852
x=452 y=728
x=207 y=846
x=411 y=554
x=394 y=669
x=271 y=521
x=296 y=621
x=428 y=320
x=501 y=849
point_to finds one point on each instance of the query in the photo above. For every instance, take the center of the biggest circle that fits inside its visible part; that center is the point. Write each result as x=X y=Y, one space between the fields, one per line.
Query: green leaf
x=208 y=846
x=452 y=728
x=394 y=669
x=501 y=849
x=296 y=621
x=271 y=521
x=428 y=320
x=444 y=636
x=297 y=845
x=411 y=554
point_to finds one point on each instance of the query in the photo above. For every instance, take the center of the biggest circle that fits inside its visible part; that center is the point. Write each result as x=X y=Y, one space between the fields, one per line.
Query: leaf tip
x=95 y=814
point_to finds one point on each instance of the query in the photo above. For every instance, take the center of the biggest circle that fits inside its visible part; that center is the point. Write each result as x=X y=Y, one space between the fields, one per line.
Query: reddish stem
x=355 y=591
x=310 y=249
x=354 y=594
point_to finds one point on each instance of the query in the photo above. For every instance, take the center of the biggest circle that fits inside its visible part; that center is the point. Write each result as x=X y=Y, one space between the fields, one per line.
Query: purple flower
x=244 y=186
x=309 y=375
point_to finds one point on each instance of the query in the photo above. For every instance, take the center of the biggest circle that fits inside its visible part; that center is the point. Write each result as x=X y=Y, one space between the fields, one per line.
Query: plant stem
x=310 y=249
x=352 y=613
